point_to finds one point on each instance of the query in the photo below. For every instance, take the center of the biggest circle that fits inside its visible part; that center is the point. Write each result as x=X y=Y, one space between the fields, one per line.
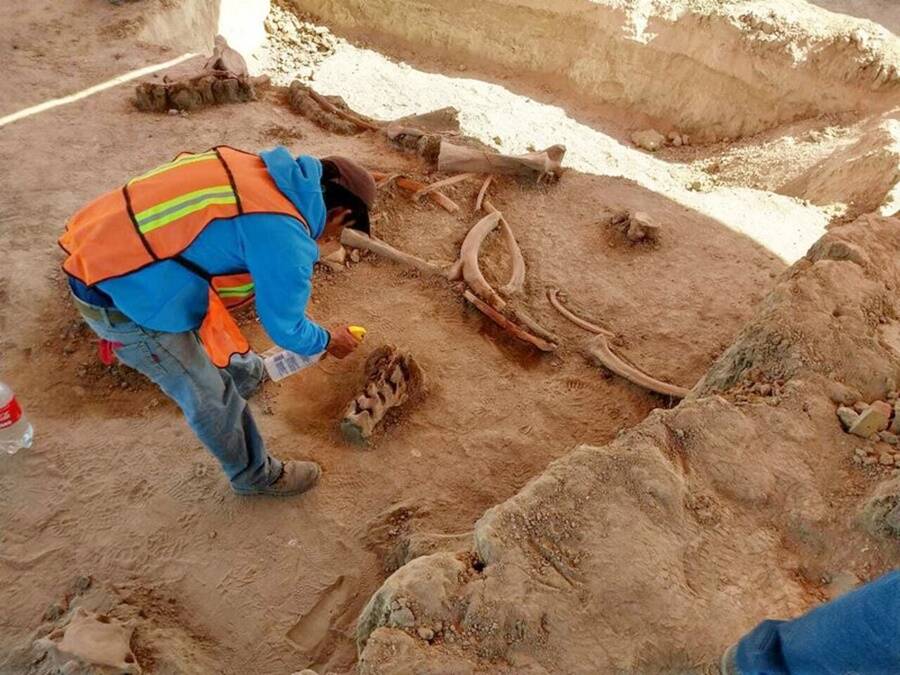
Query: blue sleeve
x=280 y=256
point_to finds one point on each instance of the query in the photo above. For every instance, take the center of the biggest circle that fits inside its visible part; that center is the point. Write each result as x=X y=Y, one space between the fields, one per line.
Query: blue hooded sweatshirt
x=275 y=249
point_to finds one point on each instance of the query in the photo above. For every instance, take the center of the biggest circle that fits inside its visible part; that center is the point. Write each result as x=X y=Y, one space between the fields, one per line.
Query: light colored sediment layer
x=710 y=68
x=373 y=84
x=864 y=173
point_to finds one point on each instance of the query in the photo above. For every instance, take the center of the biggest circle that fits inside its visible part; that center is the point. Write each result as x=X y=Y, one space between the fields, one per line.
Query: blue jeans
x=858 y=632
x=212 y=399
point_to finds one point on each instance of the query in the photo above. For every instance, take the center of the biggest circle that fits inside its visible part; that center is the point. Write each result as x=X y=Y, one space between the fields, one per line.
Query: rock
x=434 y=578
x=860 y=452
x=888 y=437
x=648 y=139
x=402 y=618
x=873 y=419
x=82 y=583
x=895 y=425
x=641 y=227
x=831 y=248
x=860 y=406
x=869 y=460
x=886 y=458
x=685 y=139
x=695 y=186
x=848 y=417
x=880 y=514
x=54 y=611
x=675 y=139
x=354 y=255
x=425 y=633
x=335 y=258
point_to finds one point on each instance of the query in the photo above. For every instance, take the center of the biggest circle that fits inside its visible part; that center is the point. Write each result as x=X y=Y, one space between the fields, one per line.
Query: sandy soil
x=116 y=488
x=883 y=12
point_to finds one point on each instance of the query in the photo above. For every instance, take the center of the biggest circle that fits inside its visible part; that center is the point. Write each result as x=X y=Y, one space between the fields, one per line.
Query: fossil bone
x=508 y=325
x=392 y=378
x=458 y=158
x=482 y=192
x=599 y=350
x=357 y=239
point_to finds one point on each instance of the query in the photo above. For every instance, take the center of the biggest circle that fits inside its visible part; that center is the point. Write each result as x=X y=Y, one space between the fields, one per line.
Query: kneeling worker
x=155 y=265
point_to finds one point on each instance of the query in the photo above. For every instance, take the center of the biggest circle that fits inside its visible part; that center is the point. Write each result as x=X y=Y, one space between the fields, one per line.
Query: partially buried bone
x=545 y=164
x=392 y=378
x=598 y=350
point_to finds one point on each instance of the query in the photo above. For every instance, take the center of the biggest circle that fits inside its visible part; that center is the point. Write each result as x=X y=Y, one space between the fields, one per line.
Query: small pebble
x=847 y=416
x=425 y=633
x=886 y=458
x=82 y=583
x=402 y=618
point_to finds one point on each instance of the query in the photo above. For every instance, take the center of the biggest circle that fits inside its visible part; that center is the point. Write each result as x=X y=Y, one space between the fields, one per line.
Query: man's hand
x=342 y=343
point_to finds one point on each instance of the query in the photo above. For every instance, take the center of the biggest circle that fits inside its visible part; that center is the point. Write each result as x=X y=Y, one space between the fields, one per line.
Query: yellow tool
x=358 y=332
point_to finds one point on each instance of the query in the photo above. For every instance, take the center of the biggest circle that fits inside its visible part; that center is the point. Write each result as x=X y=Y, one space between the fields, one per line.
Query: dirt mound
x=649 y=550
x=688 y=528
x=864 y=175
x=96 y=628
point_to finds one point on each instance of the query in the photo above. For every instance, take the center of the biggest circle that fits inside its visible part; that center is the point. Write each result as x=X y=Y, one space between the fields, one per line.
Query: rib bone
x=599 y=350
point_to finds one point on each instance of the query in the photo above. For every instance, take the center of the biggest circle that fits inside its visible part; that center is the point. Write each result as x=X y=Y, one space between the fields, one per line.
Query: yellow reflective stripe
x=190 y=159
x=159 y=209
x=163 y=210
x=226 y=291
x=186 y=211
x=173 y=209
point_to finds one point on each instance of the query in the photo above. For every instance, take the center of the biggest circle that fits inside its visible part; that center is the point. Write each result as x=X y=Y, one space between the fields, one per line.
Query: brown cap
x=351 y=176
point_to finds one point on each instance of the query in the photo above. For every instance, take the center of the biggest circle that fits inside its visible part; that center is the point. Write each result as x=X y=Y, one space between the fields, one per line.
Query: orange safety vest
x=158 y=214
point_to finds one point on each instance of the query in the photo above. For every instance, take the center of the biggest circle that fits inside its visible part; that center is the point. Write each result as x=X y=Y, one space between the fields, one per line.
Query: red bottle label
x=10 y=414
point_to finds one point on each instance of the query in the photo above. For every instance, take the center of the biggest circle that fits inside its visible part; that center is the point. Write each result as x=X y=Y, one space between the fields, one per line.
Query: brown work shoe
x=296 y=477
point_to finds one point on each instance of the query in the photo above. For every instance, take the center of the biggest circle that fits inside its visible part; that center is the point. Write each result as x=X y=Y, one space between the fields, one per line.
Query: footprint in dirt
x=322 y=634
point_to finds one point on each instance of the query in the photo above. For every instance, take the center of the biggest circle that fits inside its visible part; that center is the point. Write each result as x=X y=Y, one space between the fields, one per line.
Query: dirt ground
x=116 y=488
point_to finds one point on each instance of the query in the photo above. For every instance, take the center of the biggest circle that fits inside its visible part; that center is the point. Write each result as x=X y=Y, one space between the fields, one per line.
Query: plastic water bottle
x=280 y=363
x=15 y=429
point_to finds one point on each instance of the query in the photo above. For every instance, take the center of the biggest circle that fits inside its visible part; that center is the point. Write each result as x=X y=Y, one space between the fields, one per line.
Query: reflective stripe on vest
x=234 y=289
x=183 y=206
x=159 y=213
x=182 y=159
